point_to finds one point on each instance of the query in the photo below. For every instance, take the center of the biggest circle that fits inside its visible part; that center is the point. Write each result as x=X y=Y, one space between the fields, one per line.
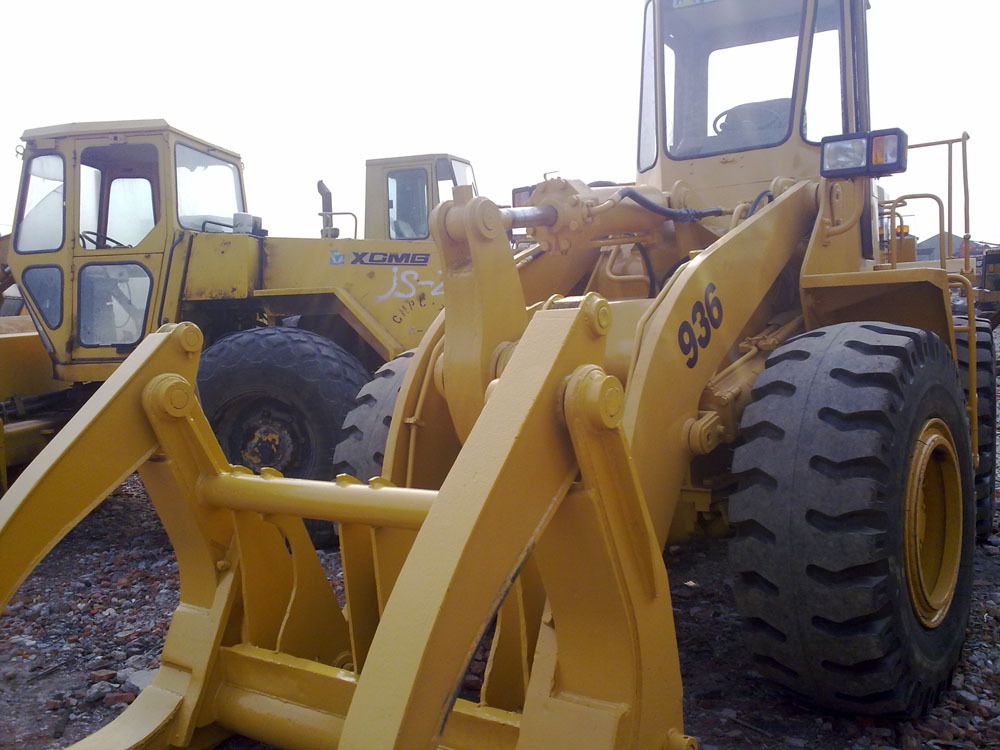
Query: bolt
x=488 y=219
x=597 y=313
x=178 y=398
x=190 y=338
x=612 y=401
x=599 y=396
x=169 y=392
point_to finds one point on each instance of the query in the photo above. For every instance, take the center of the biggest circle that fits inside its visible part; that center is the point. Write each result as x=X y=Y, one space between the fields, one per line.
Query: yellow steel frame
x=258 y=627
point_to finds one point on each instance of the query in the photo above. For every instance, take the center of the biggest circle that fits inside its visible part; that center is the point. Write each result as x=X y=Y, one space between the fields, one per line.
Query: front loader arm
x=511 y=491
x=89 y=458
x=259 y=645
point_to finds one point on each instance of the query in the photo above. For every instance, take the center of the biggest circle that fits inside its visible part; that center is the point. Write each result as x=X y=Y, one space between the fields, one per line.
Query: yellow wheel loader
x=723 y=347
x=122 y=227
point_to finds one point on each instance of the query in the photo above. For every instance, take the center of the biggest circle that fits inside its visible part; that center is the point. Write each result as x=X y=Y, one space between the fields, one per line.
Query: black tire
x=820 y=556
x=277 y=397
x=366 y=428
x=986 y=379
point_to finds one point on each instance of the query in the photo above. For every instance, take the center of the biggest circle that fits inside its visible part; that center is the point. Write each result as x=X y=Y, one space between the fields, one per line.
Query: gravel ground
x=83 y=634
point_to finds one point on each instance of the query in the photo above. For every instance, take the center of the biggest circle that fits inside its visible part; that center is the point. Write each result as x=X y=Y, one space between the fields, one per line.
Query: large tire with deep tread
x=277 y=397
x=366 y=428
x=986 y=380
x=820 y=556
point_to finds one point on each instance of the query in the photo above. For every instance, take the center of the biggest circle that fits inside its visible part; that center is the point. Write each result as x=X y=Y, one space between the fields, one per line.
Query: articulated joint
x=170 y=394
x=477 y=217
x=705 y=433
x=596 y=396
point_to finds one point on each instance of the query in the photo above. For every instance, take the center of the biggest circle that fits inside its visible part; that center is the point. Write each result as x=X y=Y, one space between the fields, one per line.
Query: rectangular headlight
x=863 y=154
x=845 y=157
x=888 y=151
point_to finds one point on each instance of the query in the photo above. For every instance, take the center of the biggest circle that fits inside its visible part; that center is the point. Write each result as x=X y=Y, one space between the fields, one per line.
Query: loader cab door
x=119 y=246
x=402 y=191
x=88 y=241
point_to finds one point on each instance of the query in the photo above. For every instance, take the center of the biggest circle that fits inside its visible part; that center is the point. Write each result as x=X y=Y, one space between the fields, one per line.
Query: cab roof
x=72 y=129
x=414 y=157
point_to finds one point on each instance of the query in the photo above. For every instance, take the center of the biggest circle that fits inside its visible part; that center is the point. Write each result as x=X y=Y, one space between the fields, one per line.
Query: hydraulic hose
x=29 y=405
x=680 y=215
x=648 y=265
x=767 y=194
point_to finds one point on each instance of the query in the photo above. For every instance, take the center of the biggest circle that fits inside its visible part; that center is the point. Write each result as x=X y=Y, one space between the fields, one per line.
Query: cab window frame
x=842 y=72
x=123 y=346
x=792 y=109
x=239 y=188
x=31 y=299
x=23 y=199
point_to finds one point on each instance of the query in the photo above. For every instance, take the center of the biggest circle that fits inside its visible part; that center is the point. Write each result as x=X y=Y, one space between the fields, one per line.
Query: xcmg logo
x=380 y=259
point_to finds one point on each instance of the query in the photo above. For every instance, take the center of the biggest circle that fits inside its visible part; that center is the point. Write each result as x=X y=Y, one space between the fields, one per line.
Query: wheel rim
x=933 y=523
x=265 y=432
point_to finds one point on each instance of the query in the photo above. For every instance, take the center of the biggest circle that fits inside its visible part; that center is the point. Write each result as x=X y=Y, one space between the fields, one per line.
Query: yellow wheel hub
x=932 y=527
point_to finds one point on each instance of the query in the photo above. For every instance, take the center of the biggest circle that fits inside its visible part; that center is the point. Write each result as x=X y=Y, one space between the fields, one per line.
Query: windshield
x=464 y=175
x=208 y=191
x=729 y=74
x=116 y=195
x=451 y=173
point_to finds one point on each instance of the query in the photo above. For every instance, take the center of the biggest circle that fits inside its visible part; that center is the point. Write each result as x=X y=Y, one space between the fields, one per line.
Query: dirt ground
x=85 y=631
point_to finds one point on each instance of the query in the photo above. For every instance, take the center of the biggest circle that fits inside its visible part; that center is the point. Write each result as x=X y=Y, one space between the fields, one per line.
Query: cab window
x=114 y=298
x=734 y=64
x=40 y=224
x=209 y=191
x=117 y=195
x=44 y=284
x=825 y=112
x=408 y=204
x=451 y=173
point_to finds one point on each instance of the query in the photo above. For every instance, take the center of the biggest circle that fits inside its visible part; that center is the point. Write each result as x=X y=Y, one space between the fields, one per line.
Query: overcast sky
x=308 y=91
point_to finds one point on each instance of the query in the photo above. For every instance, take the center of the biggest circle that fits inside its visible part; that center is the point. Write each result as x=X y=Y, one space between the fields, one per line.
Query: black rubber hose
x=681 y=215
x=758 y=200
x=649 y=269
x=672 y=270
x=28 y=405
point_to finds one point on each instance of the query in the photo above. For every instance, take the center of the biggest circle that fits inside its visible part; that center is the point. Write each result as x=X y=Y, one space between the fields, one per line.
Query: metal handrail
x=950 y=142
x=891 y=206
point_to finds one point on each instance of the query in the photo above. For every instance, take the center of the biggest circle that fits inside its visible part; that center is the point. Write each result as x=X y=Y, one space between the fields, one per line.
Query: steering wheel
x=97 y=238
x=773 y=118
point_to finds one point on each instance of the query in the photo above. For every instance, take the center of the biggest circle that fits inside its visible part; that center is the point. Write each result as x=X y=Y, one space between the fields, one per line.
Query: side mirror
x=872 y=154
